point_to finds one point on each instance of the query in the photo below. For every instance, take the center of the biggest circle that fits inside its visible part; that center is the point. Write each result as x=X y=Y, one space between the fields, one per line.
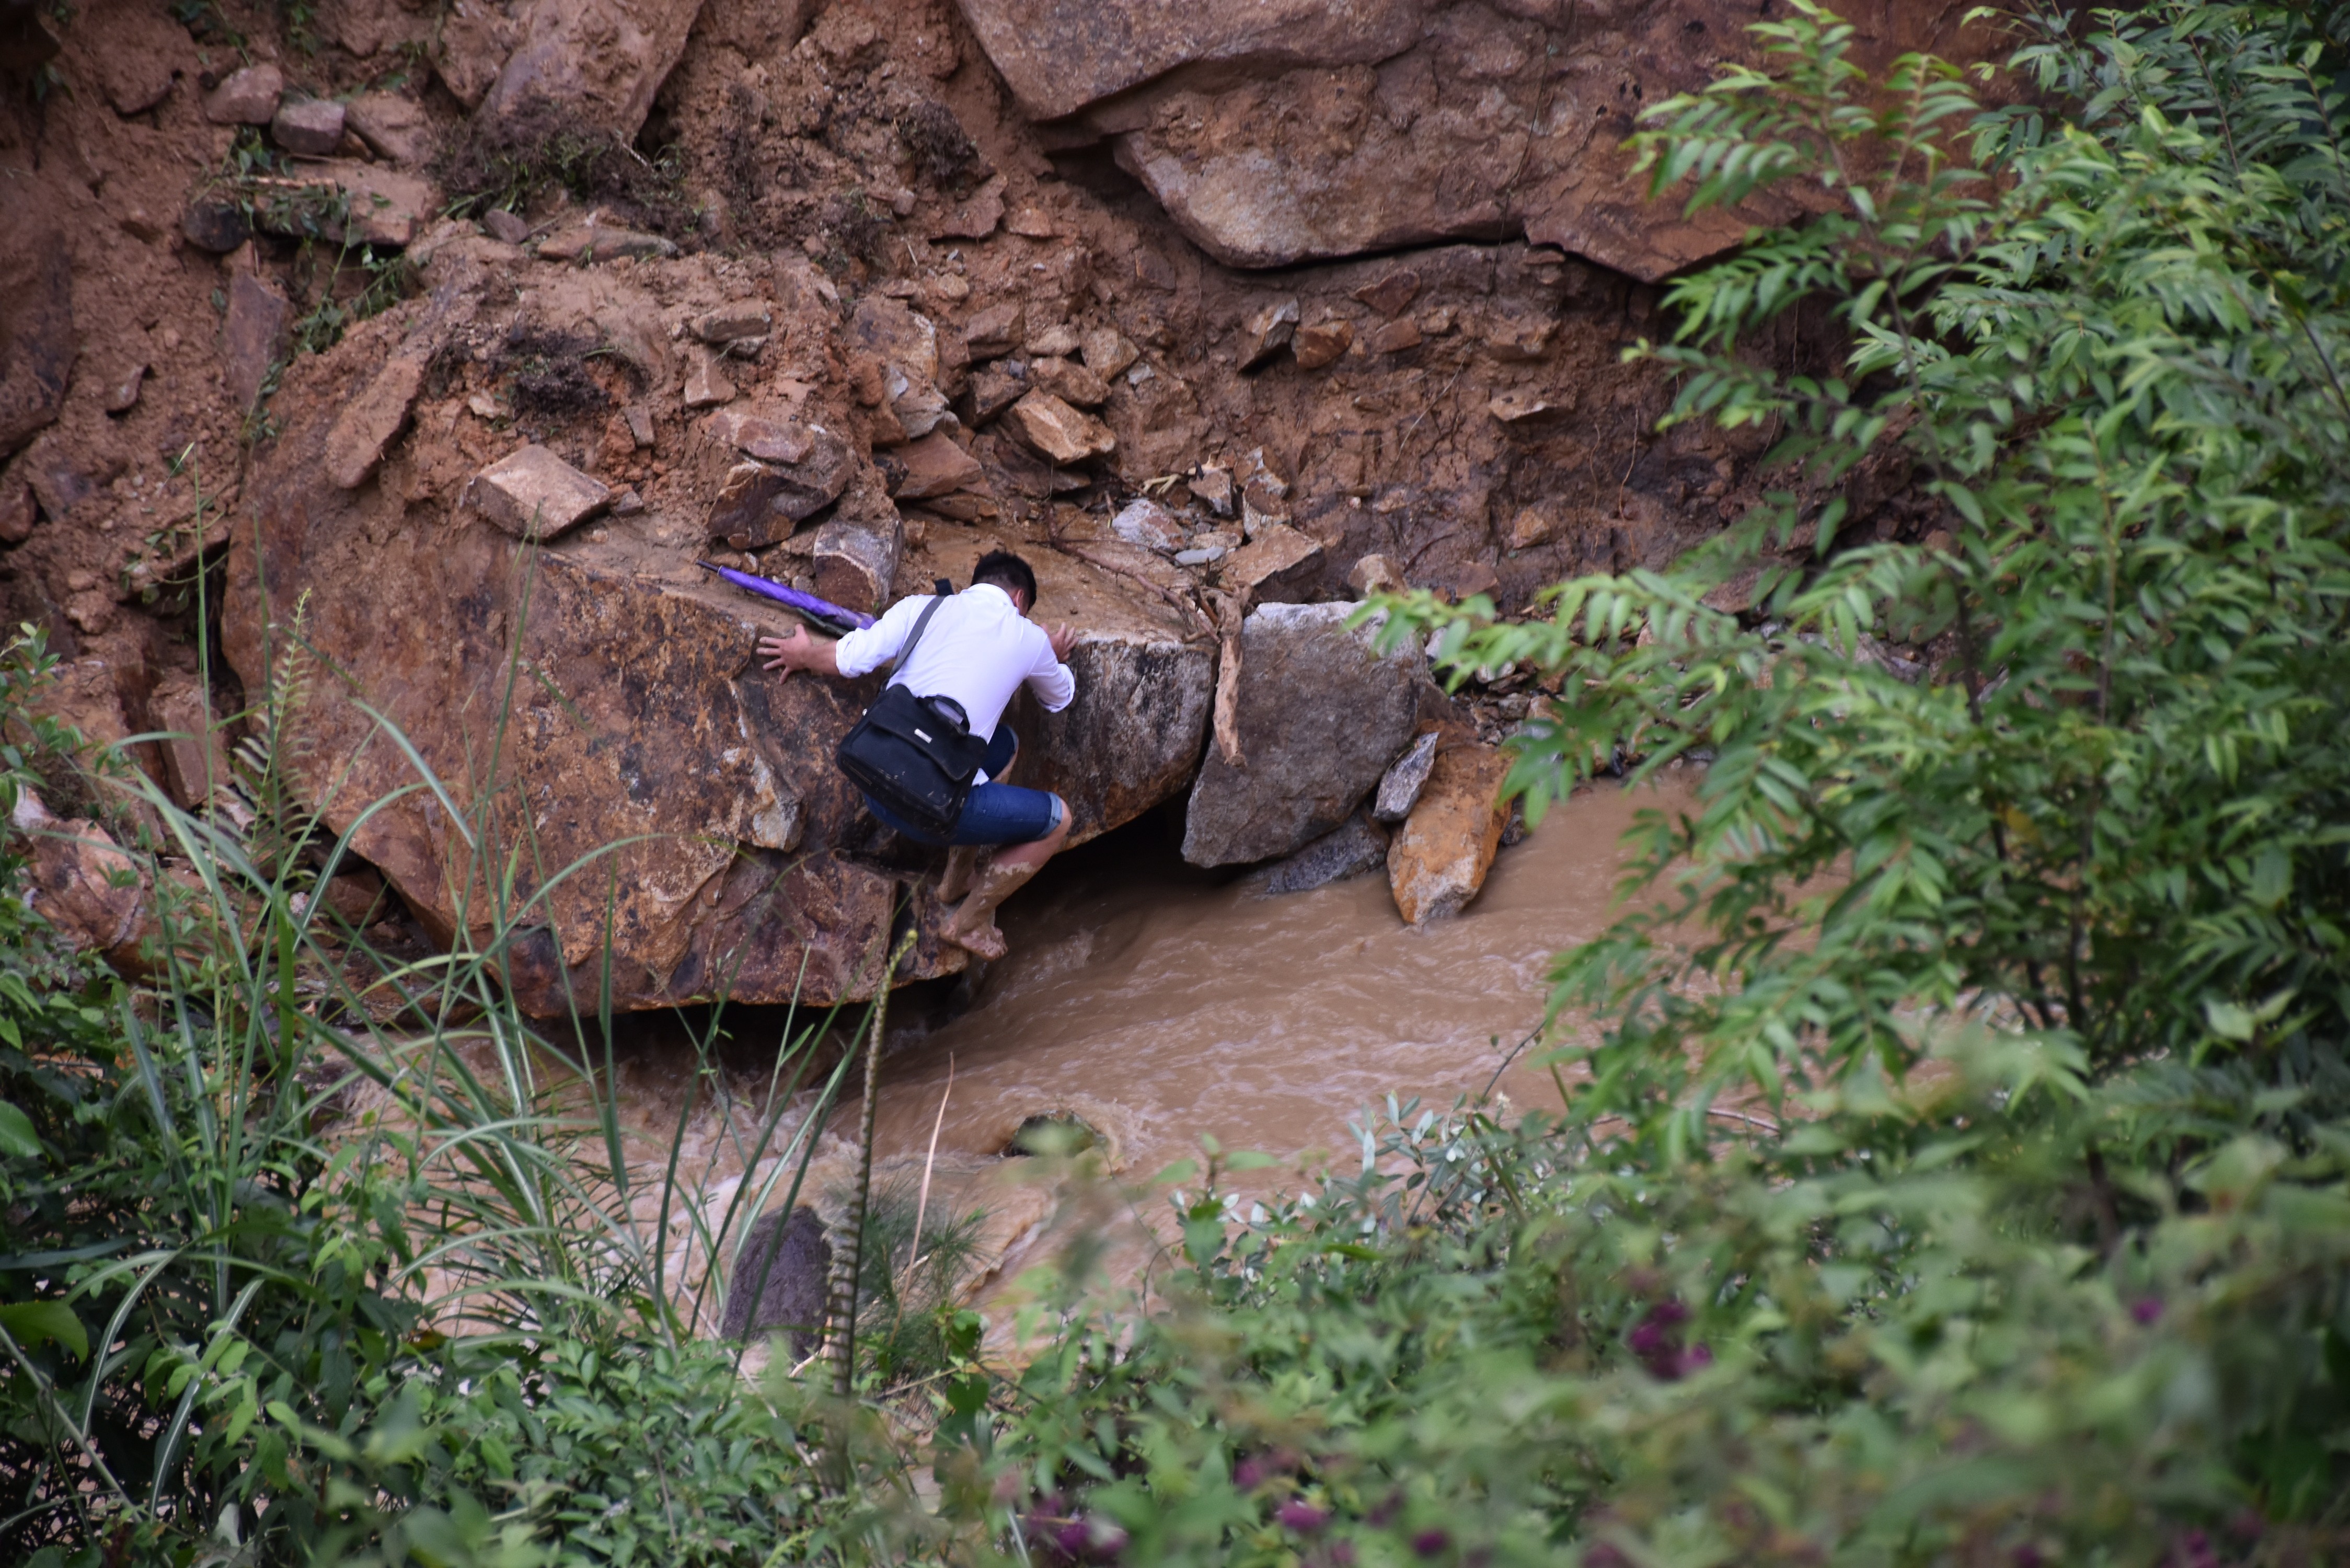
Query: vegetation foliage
x=1961 y=1174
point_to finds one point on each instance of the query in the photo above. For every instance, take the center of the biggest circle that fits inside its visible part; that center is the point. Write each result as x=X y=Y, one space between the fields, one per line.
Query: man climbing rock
x=978 y=648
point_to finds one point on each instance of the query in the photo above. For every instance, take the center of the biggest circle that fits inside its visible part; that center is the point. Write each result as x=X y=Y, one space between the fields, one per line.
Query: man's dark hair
x=1006 y=571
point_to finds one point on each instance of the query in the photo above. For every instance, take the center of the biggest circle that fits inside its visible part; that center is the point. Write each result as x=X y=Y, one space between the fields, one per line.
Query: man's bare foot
x=962 y=866
x=985 y=942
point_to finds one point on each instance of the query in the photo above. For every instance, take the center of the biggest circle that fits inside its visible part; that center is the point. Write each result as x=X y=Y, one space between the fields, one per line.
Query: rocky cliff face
x=1199 y=309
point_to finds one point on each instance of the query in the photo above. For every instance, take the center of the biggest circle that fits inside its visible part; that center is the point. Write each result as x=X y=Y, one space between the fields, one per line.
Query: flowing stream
x=1158 y=1002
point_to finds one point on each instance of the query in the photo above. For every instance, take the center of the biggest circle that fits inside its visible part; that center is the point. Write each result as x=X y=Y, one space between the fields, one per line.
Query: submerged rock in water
x=1349 y=851
x=1320 y=715
x=779 y=1282
x=1439 y=861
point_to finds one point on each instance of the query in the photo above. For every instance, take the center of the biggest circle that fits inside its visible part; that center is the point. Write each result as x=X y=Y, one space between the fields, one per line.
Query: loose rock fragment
x=1107 y=353
x=854 y=561
x=394 y=128
x=995 y=388
x=252 y=336
x=1146 y=522
x=310 y=127
x=123 y=395
x=1212 y=487
x=730 y=322
x=1276 y=551
x=1394 y=336
x=1399 y=788
x=505 y=226
x=706 y=383
x=1071 y=382
x=1322 y=344
x=217 y=226
x=1526 y=406
x=1392 y=295
x=994 y=331
x=1058 y=431
x=1439 y=861
x=1055 y=340
x=930 y=467
x=1348 y=851
x=370 y=422
x=535 y=495
x=1530 y=527
x=597 y=238
x=1374 y=574
x=248 y=97
x=1267 y=333
x=17 y=514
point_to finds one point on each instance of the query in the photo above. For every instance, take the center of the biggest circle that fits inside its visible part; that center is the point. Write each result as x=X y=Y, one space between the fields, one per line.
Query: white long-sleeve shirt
x=977 y=650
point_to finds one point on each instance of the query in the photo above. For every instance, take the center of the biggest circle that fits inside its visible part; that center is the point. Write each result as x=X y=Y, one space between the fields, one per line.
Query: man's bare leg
x=963 y=861
x=974 y=925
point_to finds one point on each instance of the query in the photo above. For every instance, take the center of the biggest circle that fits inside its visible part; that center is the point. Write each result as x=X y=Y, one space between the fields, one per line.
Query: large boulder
x=1437 y=862
x=1320 y=715
x=611 y=773
x=588 y=65
x=1276 y=132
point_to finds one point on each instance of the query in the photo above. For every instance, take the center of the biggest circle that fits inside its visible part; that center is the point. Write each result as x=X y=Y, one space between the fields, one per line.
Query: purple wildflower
x=2145 y=1310
x=1300 y=1515
x=1431 y=1542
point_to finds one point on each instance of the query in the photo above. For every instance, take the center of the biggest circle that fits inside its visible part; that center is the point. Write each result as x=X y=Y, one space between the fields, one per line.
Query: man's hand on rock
x=797 y=651
x=1063 y=638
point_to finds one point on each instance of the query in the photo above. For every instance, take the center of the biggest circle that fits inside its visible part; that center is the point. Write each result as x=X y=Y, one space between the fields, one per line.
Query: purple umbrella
x=836 y=616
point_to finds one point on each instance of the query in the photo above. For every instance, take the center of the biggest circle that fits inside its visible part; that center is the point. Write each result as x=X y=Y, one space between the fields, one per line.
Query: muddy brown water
x=1158 y=1003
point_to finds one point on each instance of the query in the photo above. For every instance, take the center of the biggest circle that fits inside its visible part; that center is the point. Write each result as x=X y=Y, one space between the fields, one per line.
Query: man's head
x=1010 y=573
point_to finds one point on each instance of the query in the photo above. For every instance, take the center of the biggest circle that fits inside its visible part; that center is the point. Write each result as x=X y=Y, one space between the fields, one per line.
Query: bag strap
x=943 y=591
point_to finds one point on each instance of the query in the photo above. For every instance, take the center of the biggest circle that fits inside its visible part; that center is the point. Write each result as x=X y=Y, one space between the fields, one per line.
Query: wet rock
x=1055 y=431
x=1400 y=786
x=394 y=128
x=706 y=382
x=1267 y=333
x=930 y=467
x=1374 y=574
x=36 y=329
x=253 y=336
x=1438 y=860
x=534 y=494
x=247 y=96
x=1144 y=522
x=506 y=227
x=1319 y=715
x=1348 y=851
x=590 y=64
x=212 y=224
x=309 y=126
x=372 y=420
x=780 y=1279
x=1322 y=344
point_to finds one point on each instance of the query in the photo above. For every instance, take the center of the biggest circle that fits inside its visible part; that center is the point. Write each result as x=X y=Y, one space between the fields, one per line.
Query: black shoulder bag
x=915 y=755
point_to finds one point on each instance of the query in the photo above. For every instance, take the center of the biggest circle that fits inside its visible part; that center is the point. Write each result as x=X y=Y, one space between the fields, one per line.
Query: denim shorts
x=995 y=812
